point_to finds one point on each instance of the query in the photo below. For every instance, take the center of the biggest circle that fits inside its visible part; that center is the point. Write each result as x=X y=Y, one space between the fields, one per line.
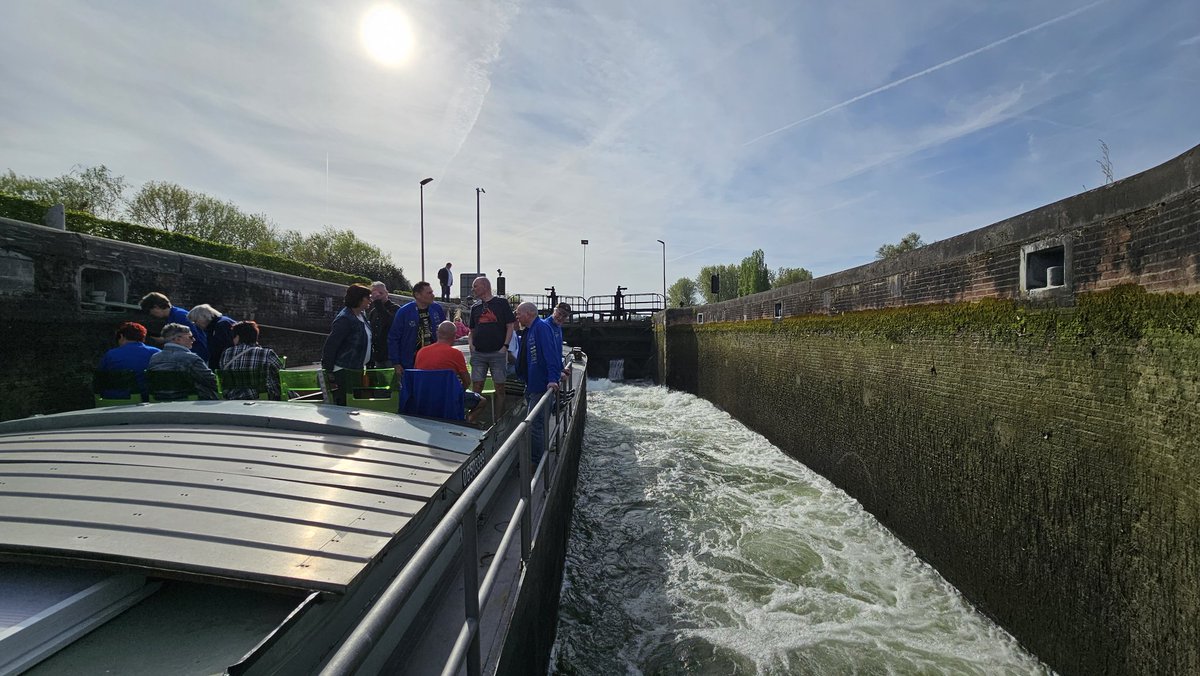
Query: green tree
x=343 y=251
x=682 y=293
x=785 y=276
x=176 y=209
x=92 y=189
x=909 y=242
x=728 y=276
x=753 y=274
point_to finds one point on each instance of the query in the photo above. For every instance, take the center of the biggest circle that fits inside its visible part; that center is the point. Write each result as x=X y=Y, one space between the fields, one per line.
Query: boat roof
x=299 y=496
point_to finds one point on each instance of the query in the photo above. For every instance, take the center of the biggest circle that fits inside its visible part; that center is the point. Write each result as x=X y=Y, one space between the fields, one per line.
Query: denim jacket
x=347 y=344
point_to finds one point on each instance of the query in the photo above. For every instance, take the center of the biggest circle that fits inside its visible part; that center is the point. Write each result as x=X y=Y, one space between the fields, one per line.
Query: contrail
x=927 y=71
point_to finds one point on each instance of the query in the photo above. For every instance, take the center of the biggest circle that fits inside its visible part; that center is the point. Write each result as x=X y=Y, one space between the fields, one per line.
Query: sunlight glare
x=386 y=34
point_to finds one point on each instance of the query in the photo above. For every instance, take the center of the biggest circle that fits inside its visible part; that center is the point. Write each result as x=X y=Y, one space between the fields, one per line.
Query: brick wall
x=1038 y=447
x=50 y=342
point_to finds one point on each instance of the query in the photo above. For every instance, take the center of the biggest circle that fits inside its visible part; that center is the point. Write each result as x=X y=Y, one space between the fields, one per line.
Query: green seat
x=374 y=390
x=171 y=386
x=243 y=379
x=300 y=386
x=114 y=382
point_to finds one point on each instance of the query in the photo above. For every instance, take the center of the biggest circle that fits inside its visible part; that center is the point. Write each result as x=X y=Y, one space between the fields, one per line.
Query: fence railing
x=606 y=308
x=461 y=518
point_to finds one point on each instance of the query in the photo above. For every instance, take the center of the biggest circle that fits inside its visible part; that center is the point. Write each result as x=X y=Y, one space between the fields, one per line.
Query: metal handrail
x=358 y=644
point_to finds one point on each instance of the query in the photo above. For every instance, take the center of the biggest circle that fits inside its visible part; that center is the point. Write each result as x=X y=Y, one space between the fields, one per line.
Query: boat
x=259 y=537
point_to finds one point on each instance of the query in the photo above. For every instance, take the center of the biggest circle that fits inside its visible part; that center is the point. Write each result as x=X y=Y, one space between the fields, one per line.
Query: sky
x=813 y=131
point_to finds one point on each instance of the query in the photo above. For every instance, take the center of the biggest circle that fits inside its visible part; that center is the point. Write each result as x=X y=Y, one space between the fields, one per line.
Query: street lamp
x=664 y=271
x=584 y=242
x=423 y=182
x=478 y=266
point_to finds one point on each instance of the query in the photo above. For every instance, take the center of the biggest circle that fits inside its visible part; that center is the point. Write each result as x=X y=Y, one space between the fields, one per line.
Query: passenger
x=460 y=329
x=348 y=348
x=414 y=326
x=218 y=329
x=444 y=278
x=541 y=360
x=177 y=356
x=159 y=306
x=247 y=354
x=443 y=355
x=380 y=316
x=131 y=354
x=492 y=325
x=562 y=312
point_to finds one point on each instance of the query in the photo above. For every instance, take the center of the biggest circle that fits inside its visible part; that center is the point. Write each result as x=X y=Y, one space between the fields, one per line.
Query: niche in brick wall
x=98 y=286
x=778 y=309
x=16 y=273
x=1046 y=266
x=699 y=317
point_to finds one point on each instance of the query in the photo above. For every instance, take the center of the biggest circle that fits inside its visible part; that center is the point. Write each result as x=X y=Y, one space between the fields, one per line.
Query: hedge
x=82 y=222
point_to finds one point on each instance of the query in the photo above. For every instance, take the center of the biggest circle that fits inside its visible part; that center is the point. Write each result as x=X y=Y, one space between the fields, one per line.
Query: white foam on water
x=698 y=547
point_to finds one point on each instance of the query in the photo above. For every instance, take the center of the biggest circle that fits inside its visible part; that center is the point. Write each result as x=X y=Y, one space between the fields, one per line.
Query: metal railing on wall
x=462 y=518
x=631 y=307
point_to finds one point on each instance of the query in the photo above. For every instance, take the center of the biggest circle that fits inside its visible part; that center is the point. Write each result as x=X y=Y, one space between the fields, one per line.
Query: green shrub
x=85 y=223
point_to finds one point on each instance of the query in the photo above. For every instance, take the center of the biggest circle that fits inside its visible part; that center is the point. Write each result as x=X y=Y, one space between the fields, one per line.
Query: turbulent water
x=697 y=547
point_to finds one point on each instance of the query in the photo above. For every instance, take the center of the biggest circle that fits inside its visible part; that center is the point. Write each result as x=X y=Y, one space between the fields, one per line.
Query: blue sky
x=814 y=131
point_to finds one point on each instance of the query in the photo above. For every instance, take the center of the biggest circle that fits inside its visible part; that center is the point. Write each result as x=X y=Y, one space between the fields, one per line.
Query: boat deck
x=304 y=497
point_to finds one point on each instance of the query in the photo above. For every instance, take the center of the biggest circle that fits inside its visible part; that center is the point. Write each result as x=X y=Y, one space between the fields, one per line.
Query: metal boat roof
x=273 y=493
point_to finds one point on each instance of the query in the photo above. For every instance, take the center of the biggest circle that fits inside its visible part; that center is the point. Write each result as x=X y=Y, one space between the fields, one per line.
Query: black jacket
x=379 y=317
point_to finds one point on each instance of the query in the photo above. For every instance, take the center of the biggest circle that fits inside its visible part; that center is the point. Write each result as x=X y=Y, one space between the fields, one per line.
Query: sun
x=386 y=34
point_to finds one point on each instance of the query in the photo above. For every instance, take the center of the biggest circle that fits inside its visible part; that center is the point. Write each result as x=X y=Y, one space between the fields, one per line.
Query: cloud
x=927 y=71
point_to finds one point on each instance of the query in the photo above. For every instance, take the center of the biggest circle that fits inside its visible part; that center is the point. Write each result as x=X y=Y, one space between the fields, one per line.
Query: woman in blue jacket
x=348 y=347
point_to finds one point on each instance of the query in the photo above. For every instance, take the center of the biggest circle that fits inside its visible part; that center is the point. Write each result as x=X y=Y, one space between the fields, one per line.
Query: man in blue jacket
x=157 y=305
x=541 y=367
x=414 y=327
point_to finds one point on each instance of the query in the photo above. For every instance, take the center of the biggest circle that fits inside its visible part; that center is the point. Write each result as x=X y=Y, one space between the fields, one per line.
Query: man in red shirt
x=443 y=355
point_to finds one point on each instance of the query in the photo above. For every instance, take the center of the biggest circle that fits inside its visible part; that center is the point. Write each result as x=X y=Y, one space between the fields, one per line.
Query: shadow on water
x=696 y=547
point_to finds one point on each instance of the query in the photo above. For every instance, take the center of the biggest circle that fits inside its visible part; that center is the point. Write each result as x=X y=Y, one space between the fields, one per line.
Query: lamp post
x=478 y=266
x=423 y=182
x=584 y=242
x=664 y=272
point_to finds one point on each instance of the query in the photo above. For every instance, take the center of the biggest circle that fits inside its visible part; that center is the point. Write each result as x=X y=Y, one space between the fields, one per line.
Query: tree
x=342 y=250
x=176 y=209
x=159 y=204
x=909 y=242
x=785 y=276
x=753 y=275
x=1105 y=163
x=728 y=275
x=92 y=189
x=682 y=293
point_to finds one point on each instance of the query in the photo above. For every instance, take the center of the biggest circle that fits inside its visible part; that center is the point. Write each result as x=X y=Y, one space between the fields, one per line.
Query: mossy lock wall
x=1042 y=449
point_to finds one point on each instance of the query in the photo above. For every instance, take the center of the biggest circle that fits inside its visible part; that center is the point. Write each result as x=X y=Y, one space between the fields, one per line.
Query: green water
x=697 y=547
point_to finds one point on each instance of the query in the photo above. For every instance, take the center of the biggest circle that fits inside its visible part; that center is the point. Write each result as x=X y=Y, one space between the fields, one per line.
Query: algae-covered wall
x=1039 y=445
x=1045 y=461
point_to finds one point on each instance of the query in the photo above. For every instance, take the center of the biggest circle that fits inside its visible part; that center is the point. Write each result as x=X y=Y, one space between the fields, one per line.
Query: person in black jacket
x=445 y=278
x=380 y=315
x=348 y=347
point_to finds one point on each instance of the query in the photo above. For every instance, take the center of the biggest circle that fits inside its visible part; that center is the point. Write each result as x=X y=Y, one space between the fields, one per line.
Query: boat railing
x=462 y=516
